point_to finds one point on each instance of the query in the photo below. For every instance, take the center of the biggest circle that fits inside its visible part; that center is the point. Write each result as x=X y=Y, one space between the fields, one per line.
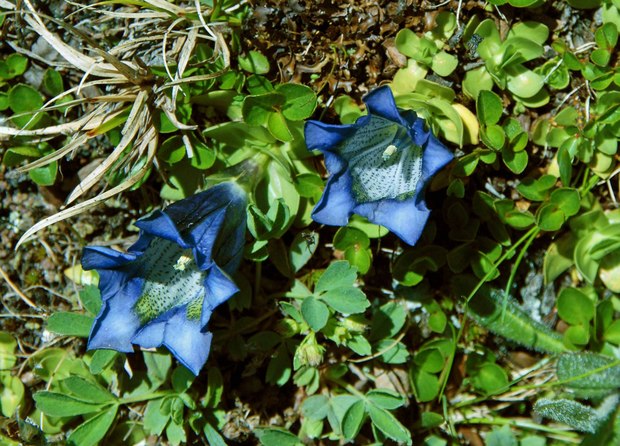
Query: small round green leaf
x=444 y=64
x=575 y=307
x=300 y=101
x=489 y=107
x=314 y=312
x=549 y=217
x=254 y=62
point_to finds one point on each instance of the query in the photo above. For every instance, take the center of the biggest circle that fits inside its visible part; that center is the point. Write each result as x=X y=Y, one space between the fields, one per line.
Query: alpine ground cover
x=191 y=209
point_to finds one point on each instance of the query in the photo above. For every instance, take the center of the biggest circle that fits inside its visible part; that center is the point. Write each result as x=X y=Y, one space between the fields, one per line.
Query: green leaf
x=175 y=432
x=575 y=307
x=172 y=150
x=277 y=126
x=52 y=82
x=353 y=420
x=577 y=335
x=430 y=360
x=501 y=437
x=489 y=108
x=537 y=190
x=90 y=296
x=388 y=424
x=44 y=175
x=70 y=324
x=359 y=344
x=16 y=64
x=612 y=333
x=585 y=370
x=300 y=101
x=393 y=352
x=59 y=405
x=22 y=99
x=101 y=359
x=444 y=64
x=387 y=321
x=600 y=57
x=158 y=364
x=576 y=415
x=92 y=431
x=309 y=185
x=346 y=300
x=425 y=385
x=549 y=217
x=273 y=436
x=254 y=62
x=476 y=81
x=515 y=161
x=567 y=199
x=258 y=108
x=215 y=388
x=490 y=379
x=385 y=398
x=359 y=257
x=559 y=257
x=339 y=274
x=510 y=322
x=348 y=236
x=302 y=249
x=606 y=36
x=12 y=394
x=87 y=391
x=314 y=312
x=279 y=367
x=213 y=436
x=155 y=419
x=315 y=407
x=523 y=82
x=181 y=379
x=4 y=100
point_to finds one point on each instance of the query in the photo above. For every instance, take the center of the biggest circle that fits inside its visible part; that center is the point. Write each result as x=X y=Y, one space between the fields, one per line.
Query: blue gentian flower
x=379 y=167
x=163 y=290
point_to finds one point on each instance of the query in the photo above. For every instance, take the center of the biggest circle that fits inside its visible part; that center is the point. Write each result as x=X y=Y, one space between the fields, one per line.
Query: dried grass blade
x=70 y=146
x=91 y=121
x=73 y=56
x=136 y=118
x=88 y=204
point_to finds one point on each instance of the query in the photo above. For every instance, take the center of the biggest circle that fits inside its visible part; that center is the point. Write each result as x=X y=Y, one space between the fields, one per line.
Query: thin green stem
x=348 y=387
x=523 y=424
x=446 y=371
x=514 y=269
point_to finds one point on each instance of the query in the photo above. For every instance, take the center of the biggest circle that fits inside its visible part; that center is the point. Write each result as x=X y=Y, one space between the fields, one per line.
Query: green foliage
x=366 y=336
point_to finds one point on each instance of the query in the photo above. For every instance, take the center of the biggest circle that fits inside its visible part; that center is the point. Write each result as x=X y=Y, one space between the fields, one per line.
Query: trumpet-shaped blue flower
x=378 y=166
x=164 y=289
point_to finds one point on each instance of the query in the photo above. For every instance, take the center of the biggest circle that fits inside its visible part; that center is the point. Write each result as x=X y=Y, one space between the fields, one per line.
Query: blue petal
x=100 y=257
x=381 y=102
x=405 y=218
x=436 y=156
x=183 y=337
x=211 y=219
x=219 y=288
x=321 y=136
x=203 y=236
x=187 y=342
x=159 y=224
x=337 y=203
x=117 y=323
x=383 y=161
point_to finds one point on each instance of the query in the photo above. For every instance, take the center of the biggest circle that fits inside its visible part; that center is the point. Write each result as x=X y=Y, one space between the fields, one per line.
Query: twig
x=22 y=296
